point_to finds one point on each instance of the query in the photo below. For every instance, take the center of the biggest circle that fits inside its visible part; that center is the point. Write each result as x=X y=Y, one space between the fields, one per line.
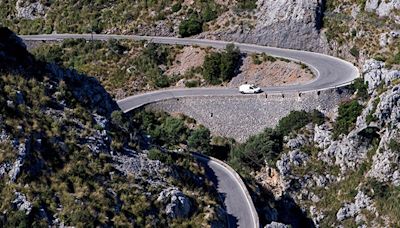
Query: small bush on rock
x=348 y=113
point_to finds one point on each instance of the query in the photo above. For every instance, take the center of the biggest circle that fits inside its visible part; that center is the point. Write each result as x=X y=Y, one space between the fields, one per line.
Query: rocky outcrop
x=281 y=23
x=375 y=74
x=350 y=210
x=23 y=150
x=21 y=203
x=178 y=204
x=30 y=10
x=276 y=225
x=293 y=158
x=297 y=142
x=347 y=153
x=270 y=179
x=322 y=136
x=382 y=8
x=134 y=162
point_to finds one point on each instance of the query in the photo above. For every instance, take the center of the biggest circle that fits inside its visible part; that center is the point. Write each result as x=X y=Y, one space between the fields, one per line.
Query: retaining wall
x=244 y=115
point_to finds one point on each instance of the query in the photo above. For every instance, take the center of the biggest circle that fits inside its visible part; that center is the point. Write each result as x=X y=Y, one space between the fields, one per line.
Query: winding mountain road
x=330 y=72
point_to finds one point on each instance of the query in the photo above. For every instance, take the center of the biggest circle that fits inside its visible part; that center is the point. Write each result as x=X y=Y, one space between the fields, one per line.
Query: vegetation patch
x=348 y=113
x=221 y=67
x=119 y=65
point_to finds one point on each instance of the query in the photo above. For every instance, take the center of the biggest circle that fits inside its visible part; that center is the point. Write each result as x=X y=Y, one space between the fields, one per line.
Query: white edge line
x=239 y=180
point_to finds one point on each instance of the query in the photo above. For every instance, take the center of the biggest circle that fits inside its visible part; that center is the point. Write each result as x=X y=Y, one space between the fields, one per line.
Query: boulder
x=30 y=10
x=322 y=136
x=21 y=203
x=178 y=204
x=297 y=142
x=350 y=210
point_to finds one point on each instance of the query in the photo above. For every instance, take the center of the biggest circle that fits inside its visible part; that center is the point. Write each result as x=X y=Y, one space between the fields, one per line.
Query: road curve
x=330 y=71
x=239 y=205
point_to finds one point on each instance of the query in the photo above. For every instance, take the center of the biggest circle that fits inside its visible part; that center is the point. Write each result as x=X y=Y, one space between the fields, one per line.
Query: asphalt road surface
x=239 y=206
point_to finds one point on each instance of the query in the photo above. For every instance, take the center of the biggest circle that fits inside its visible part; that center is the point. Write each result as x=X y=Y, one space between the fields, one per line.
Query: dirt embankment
x=271 y=73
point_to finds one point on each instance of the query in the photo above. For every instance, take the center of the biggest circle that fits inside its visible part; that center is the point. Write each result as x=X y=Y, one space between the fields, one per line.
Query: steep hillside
x=345 y=171
x=359 y=30
x=278 y=23
x=140 y=17
x=69 y=157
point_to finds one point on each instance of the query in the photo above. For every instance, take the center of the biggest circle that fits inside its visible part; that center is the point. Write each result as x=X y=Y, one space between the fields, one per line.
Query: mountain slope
x=68 y=156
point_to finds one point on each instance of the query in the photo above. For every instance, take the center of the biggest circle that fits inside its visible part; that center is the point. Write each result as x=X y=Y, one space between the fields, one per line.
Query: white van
x=249 y=88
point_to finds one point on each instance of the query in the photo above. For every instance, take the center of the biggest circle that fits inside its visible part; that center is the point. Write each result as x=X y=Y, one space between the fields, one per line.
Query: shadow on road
x=231 y=220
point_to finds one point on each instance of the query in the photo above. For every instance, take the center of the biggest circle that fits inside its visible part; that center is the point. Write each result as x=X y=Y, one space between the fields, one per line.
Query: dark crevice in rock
x=319 y=15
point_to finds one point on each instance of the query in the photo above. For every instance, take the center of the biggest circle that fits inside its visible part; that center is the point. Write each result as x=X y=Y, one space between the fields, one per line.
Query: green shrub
x=256 y=59
x=247 y=4
x=116 y=47
x=361 y=87
x=348 y=113
x=394 y=145
x=176 y=7
x=117 y=119
x=192 y=26
x=208 y=14
x=355 y=52
x=256 y=150
x=156 y=154
x=317 y=117
x=396 y=58
x=221 y=67
x=192 y=83
x=292 y=122
x=164 y=129
x=199 y=140
x=211 y=68
x=229 y=62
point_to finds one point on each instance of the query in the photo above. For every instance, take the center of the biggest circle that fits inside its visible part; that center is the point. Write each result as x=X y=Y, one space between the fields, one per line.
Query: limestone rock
x=350 y=210
x=383 y=40
x=322 y=136
x=271 y=180
x=276 y=225
x=375 y=74
x=22 y=203
x=30 y=10
x=316 y=215
x=388 y=110
x=297 y=142
x=293 y=158
x=23 y=150
x=179 y=205
x=289 y=24
x=382 y=8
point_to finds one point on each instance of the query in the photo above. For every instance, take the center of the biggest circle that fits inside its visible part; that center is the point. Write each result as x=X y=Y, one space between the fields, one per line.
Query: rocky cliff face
x=288 y=24
x=352 y=179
